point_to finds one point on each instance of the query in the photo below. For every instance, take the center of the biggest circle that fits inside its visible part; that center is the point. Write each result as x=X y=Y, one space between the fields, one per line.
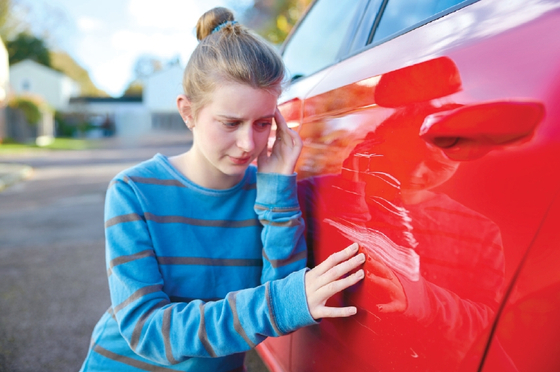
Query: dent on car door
x=416 y=165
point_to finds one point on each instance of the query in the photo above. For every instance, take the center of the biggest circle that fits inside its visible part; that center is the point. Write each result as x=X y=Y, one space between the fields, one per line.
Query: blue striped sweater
x=197 y=276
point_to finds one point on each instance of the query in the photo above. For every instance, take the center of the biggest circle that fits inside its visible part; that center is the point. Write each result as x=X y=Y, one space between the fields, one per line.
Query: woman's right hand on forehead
x=285 y=151
x=329 y=278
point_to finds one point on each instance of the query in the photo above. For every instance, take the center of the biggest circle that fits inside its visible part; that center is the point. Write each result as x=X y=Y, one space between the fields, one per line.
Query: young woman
x=205 y=253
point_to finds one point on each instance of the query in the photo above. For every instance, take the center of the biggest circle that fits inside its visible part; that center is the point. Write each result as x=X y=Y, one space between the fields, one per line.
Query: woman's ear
x=185 y=110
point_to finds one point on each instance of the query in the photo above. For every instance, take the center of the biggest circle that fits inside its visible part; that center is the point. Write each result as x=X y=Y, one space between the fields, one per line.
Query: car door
x=434 y=146
x=312 y=52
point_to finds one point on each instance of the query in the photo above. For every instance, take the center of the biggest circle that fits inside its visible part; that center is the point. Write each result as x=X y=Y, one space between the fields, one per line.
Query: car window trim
x=438 y=15
x=345 y=47
x=359 y=16
x=376 y=21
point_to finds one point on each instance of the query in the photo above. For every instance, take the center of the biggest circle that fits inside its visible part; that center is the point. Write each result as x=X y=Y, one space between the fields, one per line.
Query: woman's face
x=231 y=131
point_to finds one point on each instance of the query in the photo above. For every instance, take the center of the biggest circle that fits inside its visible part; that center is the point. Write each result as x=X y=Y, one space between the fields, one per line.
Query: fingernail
x=360 y=274
x=359 y=258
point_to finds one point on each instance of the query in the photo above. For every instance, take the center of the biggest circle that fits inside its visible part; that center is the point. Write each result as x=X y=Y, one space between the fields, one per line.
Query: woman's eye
x=231 y=124
x=263 y=124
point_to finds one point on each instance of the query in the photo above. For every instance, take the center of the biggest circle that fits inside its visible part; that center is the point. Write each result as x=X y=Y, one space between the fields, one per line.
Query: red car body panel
x=439 y=152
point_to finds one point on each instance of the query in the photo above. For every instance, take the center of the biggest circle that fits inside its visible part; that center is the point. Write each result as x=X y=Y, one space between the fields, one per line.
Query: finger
x=328 y=290
x=336 y=312
x=281 y=125
x=263 y=156
x=383 y=283
x=395 y=306
x=296 y=139
x=379 y=268
x=340 y=270
x=334 y=259
x=283 y=132
x=280 y=137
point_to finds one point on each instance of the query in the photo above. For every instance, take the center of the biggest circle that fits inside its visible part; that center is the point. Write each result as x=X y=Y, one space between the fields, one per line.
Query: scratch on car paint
x=402 y=213
x=414 y=355
x=403 y=260
x=364 y=325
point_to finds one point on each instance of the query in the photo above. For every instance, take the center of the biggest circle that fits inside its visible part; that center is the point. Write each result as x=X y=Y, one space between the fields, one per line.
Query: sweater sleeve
x=284 y=248
x=169 y=333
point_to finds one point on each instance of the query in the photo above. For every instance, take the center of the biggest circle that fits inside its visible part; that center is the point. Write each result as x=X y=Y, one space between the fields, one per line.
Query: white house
x=4 y=81
x=125 y=116
x=160 y=94
x=30 y=77
x=4 y=73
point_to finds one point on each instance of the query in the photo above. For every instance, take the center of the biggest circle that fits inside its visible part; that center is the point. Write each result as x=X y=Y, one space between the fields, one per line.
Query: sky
x=106 y=37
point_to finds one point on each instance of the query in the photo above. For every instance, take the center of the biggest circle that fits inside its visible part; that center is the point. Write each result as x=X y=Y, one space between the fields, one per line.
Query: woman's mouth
x=240 y=161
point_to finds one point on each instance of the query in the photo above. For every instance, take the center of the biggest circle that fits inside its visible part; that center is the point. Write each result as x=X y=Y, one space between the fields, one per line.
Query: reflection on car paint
x=374 y=183
x=403 y=260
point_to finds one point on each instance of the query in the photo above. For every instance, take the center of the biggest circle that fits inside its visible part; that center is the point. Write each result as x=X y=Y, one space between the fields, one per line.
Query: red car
x=431 y=137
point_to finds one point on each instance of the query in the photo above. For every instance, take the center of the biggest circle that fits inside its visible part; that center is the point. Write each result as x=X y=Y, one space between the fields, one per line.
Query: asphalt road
x=53 y=283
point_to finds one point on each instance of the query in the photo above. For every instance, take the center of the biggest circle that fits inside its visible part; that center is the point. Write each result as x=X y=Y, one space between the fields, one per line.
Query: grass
x=57 y=144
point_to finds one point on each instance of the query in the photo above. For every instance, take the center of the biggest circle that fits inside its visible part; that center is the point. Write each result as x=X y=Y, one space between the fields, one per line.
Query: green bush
x=63 y=127
x=29 y=106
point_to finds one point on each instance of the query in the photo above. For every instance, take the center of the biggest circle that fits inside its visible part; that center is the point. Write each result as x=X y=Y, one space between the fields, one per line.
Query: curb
x=13 y=173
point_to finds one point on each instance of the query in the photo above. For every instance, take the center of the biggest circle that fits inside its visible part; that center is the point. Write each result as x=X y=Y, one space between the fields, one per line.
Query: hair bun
x=212 y=19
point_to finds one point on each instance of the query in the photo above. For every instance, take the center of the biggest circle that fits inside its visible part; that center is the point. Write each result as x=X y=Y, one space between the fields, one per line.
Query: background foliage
x=30 y=106
x=274 y=19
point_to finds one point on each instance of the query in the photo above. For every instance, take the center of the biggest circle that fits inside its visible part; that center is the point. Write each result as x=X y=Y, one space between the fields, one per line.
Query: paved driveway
x=53 y=285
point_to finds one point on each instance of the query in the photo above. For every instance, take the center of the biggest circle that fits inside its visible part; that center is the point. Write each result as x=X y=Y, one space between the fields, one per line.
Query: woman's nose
x=245 y=140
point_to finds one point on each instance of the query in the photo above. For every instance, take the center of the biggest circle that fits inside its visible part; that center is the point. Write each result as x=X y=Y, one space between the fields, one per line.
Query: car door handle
x=471 y=131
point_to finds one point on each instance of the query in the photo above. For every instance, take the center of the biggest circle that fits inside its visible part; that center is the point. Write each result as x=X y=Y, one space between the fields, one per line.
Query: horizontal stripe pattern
x=130 y=361
x=156 y=181
x=137 y=332
x=200 y=222
x=156 y=222
x=279 y=263
x=114 y=182
x=290 y=223
x=206 y=261
x=189 y=299
x=111 y=312
x=236 y=322
x=180 y=219
x=277 y=209
x=128 y=258
x=123 y=218
x=138 y=294
x=202 y=336
x=166 y=332
x=271 y=310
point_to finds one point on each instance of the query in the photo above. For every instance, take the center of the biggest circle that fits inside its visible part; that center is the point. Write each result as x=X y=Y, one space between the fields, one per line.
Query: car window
x=399 y=15
x=318 y=39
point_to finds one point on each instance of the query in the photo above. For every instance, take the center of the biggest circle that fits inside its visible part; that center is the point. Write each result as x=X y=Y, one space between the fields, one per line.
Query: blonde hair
x=229 y=53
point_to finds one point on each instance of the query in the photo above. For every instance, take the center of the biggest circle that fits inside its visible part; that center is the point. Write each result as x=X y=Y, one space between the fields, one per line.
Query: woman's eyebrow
x=230 y=117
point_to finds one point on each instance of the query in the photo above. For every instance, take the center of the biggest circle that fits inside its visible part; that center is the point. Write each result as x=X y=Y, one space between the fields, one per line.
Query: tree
x=64 y=63
x=11 y=22
x=146 y=65
x=274 y=19
x=5 y=7
x=26 y=46
x=134 y=89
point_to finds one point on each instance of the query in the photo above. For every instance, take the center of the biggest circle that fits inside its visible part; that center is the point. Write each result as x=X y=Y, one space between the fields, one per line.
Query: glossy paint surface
x=439 y=152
